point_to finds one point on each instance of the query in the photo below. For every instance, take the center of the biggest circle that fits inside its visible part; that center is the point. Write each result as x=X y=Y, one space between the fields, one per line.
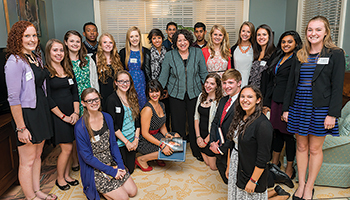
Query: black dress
x=106 y=88
x=38 y=120
x=203 y=127
x=64 y=92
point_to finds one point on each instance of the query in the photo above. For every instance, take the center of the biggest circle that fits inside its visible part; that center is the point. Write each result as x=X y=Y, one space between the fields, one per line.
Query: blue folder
x=176 y=156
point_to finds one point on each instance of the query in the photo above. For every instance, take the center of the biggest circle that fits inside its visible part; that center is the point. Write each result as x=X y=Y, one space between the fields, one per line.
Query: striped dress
x=303 y=118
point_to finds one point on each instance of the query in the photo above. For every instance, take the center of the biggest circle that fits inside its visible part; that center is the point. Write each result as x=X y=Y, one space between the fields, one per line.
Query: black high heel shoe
x=62 y=187
x=312 y=196
x=73 y=183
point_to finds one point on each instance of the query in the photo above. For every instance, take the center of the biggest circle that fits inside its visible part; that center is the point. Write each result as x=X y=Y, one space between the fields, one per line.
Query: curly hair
x=102 y=69
x=188 y=35
x=155 y=32
x=15 y=42
x=82 y=51
x=128 y=47
x=64 y=62
x=218 y=89
x=131 y=94
x=236 y=127
x=225 y=44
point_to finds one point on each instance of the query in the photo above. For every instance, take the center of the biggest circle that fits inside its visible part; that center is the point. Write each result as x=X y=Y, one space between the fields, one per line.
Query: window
x=333 y=10
x=116 y=16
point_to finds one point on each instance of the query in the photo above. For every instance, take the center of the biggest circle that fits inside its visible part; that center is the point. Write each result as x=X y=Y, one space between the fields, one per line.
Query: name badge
x=323 y=61
x=133 y=60
x=70 y=81
x=95 y=138
x=263 y=63
x=118 y=109
x=29 y=76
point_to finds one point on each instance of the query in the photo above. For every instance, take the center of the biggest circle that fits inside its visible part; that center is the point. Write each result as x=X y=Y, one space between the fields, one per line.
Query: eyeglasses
x=121 y=82
x=90 y=101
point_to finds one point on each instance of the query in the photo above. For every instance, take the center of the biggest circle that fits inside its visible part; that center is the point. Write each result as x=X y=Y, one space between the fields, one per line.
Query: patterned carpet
x=190 y=180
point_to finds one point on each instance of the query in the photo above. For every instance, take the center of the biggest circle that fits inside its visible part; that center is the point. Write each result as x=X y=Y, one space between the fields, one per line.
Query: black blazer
x=233 y=48
x=327 y=82
x=278 y=82
x=112 y=104
x=146 y=66
x=254 y=151
x=214 y=131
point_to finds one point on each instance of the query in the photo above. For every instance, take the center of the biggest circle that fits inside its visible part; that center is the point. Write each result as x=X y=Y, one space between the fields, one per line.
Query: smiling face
x=154 y=95
x=248 y=100
x=316 y=31
x=157 y=41
x=73 y=43
x=56 y=53
x=245 y=33
x=217 y=36
x=182 y=43
x=199 y=33
x=262 y=37
x=106 y=44
x=134 y=39
x=231 y=86
x=210 y=85
x=29 y=40
x=288 y=44
x=90 y=33
x=123 y=83
x=92 y=102
x=170 y=31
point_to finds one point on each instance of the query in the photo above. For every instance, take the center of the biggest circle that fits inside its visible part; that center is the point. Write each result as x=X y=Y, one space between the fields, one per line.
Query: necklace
x=208 y=101
x=246 y=50
x=33 y=60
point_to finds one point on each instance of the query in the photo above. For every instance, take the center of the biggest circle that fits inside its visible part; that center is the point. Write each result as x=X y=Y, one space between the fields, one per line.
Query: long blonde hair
x=304 y=52
x=86 y=115
x=225 y=44
x=102 y=69
x=127 y=46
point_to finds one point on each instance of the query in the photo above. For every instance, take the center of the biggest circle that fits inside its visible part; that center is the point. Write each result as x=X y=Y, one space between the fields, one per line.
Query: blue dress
x=138 y=76
x=303 y=118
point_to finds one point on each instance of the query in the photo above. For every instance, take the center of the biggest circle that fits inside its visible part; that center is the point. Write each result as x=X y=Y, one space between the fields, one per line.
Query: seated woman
x=206 y=106
x=102 y=168
x=153 y=128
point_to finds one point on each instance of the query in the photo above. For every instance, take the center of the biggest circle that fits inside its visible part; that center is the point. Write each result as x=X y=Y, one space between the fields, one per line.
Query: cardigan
x=180 y=79
x=88 y=161
x=233 y=48
x=146 y=65
x=212 y=111
x=254 y=151
x=206 y=54
x=20 y=81
x=113 y=102
x=326 y=83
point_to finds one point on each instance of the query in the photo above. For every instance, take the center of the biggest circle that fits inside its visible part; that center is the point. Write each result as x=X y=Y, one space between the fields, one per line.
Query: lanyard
x=279 y=63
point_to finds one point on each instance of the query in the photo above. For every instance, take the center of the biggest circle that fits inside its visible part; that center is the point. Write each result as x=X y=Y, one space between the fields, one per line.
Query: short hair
x=200 y=25
x=154 y=86
x=89 y=23
x=188 y=35
x=171 y=23
x=231 y=74
x=155 y=32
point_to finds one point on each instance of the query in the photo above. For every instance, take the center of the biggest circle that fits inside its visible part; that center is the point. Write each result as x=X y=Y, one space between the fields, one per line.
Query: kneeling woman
x=102 y=168
x=153 y=128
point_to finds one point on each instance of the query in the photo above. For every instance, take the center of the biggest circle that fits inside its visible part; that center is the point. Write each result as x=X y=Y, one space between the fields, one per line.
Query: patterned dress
x=138 y=76
x=303 y=118
x=217 y=64
x=105 y=183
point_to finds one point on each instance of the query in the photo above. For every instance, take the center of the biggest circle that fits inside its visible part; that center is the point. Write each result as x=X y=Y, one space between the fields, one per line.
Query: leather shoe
x=295 y=197
x=149 y=168
x=73 y=183
x=63 y=187
x=280 y=176
x=200 y=158
x=77 y=168
x=281 y=192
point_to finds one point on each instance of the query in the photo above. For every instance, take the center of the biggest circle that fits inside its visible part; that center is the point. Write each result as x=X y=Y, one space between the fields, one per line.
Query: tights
x=278 y=143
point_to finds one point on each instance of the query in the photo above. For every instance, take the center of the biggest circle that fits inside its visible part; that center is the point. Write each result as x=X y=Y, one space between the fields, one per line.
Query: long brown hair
x=131 y=95
x=240 y=113
x=225 y=44
x=82 y=52
x=102 y=69
x=270 y=47
x=252 y=33
x=127 y=46
x=304 y=52
x=86 y=115
x=64 y=63
x=218 y=89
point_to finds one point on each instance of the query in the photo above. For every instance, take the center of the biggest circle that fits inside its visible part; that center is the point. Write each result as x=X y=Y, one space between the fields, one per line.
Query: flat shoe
x=280 y=176
x=149 y=168
x=281 y=192
x=73 y=183
x=62 y=187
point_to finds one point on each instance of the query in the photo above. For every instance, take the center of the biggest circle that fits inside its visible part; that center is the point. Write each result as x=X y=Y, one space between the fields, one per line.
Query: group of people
x=104 y=105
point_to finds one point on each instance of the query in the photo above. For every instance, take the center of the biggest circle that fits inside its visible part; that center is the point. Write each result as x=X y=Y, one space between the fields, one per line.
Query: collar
x=90 y=46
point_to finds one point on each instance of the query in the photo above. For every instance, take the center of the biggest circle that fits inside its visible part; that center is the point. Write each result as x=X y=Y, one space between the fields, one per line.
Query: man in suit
x=231 y=83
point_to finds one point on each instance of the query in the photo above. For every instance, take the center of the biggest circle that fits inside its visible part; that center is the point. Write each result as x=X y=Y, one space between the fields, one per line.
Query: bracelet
x=76 y=113
x=254 y=181
x=21 y=129
x=161 y=143
x=136 y=137
x=63 y=116
x=198 y=137
x=205 y=142
x=127 y=142
x=166 y=134
x=162 y=148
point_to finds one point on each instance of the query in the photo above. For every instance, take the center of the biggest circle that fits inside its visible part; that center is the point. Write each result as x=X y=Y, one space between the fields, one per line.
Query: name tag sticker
x=29 y=76
x=133 y=60
x=323 y=61
x=262 y=63
x=70 y=81
x=118 y=109
x=95 y=138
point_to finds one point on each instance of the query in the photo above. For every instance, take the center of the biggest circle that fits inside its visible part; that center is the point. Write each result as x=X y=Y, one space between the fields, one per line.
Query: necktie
x=228 y=103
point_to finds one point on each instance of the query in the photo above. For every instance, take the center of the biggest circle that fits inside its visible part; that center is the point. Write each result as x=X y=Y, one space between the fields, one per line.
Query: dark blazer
x=327 y=82
x=278 y=81
x=112 y=103
x=254 y=151
x=214 y=131
x=233 y=48
x=146 y=66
